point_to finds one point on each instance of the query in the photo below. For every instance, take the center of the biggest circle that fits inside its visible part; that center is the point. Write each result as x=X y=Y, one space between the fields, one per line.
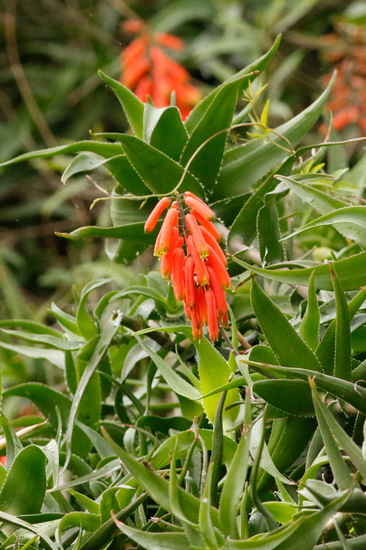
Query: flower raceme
x=192 y=259
x=149 y=71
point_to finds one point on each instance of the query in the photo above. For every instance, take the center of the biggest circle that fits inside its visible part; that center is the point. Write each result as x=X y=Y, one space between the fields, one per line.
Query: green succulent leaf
x=132 y=106
x=24 y=488
x=244 y=76
x=349 y=221
x=164 y=130
x=245 y=165
x=104 y=149
x=153 y=541
x=309 y=328
x=291 y=396
x=289 y=347
x=351 y=273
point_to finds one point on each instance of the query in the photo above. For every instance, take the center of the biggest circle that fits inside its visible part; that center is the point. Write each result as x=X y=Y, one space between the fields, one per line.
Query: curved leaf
x=156 y=169
x=155 y=541
x=244 y=76
x=131 y=232
x=131 y=104
x=218 y=117
x=291 y=396
x=214 y=371
x=322 y=202
x=282 y=337
x=24 y=488
x=349 y=221
x=351 y=273
x=245 y=165
x=176 y=382
x=164 y=130
x=104 y=149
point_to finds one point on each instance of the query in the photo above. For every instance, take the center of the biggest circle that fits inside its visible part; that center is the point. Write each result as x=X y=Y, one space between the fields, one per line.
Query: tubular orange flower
x=199 y=265
x=167 y=258
x=135 y=49
x=166 y=264
x=192 y=258
x=144 y=59
x=219 y=294
x=220 y=270
x=214 y=244
x=213 y=325
x=155 y=214
x=134 y=72
x=201 y=306
x=197 y=236
x=189 y=300
x=166 y=232
x=207 y=224
x=193 y=196
x=178 y=274
x=133 y=25
x=196 y=326
x=170 y=41
x=188 y=311
x=196 y=204
x=144 y=88
x=345 y=116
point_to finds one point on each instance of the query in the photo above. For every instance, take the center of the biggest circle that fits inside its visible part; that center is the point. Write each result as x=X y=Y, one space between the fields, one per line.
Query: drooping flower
x=193 y=260
x=155 y=214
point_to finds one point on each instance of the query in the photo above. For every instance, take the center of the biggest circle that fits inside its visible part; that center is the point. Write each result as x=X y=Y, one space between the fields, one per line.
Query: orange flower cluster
x=192 y=259
x=148 y=71
x=346 y=49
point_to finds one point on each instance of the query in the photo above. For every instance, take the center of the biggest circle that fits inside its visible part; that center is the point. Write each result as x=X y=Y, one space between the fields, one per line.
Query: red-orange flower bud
x=196 y=326
x=201 y=306
x=197 y=236
x=178 y=273
x=166 y=232
x=133 y=25
x=199 y=265
x=133 y=73
x=167 y=258
x=144 y=88
x=219 y=268
x=214 y=244
x=219 y=293
x=213 y=325
x=199 y=206
x=155 y=214
x=189 y=300
x=188 y=311
x=134 y=50
x=170 y=41
x=207 y=224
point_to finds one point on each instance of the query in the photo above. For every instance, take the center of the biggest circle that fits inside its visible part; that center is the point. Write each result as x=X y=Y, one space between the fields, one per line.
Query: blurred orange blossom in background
x=149 y=72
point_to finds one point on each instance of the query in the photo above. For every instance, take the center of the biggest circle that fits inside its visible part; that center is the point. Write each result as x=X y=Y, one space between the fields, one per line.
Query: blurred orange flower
x=149 y=71
x=346 y=49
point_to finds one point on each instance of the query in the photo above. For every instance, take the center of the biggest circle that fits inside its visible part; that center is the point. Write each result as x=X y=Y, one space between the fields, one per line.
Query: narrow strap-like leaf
x=339 y=467
x=236 y=476
x=343 y=351
x=309 y=328
x=289 y=347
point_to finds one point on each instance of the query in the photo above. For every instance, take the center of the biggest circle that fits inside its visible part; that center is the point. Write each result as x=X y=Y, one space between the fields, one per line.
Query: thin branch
x=21 y=79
